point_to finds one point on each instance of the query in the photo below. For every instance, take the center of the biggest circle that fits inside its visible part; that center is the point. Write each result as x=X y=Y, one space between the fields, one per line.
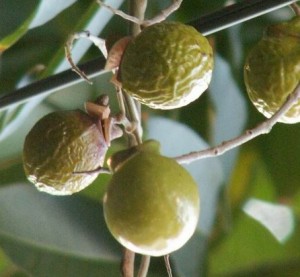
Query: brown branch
x=127 y=266
x=263 y=128
x=144 y=266
x=100 y=43
x=163 y=13
x=168 y=266
x=295 y=7
x=158 y=18
x=138 y=9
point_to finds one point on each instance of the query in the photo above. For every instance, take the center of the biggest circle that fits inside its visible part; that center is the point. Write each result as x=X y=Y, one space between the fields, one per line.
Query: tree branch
x=138 y=8
x=144 y=266
x=295 y=8
x=127 y=266
x=262 y=128
x=163 y=13
x=168 y=266
x=140 y=20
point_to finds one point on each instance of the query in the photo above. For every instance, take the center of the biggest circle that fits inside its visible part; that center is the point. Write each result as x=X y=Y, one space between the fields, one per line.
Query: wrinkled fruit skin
x=60 y=144
x=152 y=203
x=272 y=70
x=167 y=66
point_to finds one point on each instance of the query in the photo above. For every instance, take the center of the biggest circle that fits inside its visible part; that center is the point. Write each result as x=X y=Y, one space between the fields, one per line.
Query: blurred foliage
x=50 y=236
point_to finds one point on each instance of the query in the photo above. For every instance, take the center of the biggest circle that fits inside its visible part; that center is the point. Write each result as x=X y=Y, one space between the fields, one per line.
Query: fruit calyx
x=117 y=159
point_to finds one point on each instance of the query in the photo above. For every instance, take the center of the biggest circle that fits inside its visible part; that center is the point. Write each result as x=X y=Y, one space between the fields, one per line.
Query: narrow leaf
x=12 y=38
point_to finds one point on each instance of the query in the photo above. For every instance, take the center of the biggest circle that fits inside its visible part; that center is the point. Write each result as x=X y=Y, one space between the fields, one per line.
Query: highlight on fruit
x=167 y=66
x=272 y=70
x=152 y=203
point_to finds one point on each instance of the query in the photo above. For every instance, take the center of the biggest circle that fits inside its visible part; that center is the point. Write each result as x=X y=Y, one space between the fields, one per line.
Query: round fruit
x=272 y=70
x=59 y=151
x=152 y=203
x=167 y=66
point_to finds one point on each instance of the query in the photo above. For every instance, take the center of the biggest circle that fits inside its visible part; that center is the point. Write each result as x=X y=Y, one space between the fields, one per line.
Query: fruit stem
x=128 y=263
x=144 y=266
x=263 y=128
x=168 y=266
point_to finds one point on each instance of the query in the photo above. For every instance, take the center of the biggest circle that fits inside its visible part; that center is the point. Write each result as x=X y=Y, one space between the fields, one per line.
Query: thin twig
x=127 y=266
x=68 y=53
x=262 y=128
x=168 y=266
x=163 y=13
x=158 y=18
x=295 y=7
x=144 y=266
x=120 y=13
x=100 y=43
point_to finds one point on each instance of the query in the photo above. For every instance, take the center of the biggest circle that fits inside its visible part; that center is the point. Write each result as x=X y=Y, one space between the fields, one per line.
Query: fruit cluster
x=146 y=189
x=152 y=203
x=64 y=150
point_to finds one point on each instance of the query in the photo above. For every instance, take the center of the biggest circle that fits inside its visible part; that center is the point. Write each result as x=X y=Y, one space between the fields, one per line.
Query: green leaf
x=250 y=178
x=43 y=12
x=5 y=264
x=38 y=231
x=250 y=247
x=12 y=38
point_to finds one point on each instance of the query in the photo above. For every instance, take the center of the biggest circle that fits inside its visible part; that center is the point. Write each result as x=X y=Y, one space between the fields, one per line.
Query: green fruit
x=152 y=203
x=60 y=146
x=272 y=70
x=167 y=66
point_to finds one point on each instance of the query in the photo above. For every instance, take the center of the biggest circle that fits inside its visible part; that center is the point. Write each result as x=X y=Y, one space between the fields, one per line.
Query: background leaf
x=44 y=11
x=71 y=228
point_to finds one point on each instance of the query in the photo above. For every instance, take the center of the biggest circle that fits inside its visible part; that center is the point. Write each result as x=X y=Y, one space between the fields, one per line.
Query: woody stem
x=133 y=112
